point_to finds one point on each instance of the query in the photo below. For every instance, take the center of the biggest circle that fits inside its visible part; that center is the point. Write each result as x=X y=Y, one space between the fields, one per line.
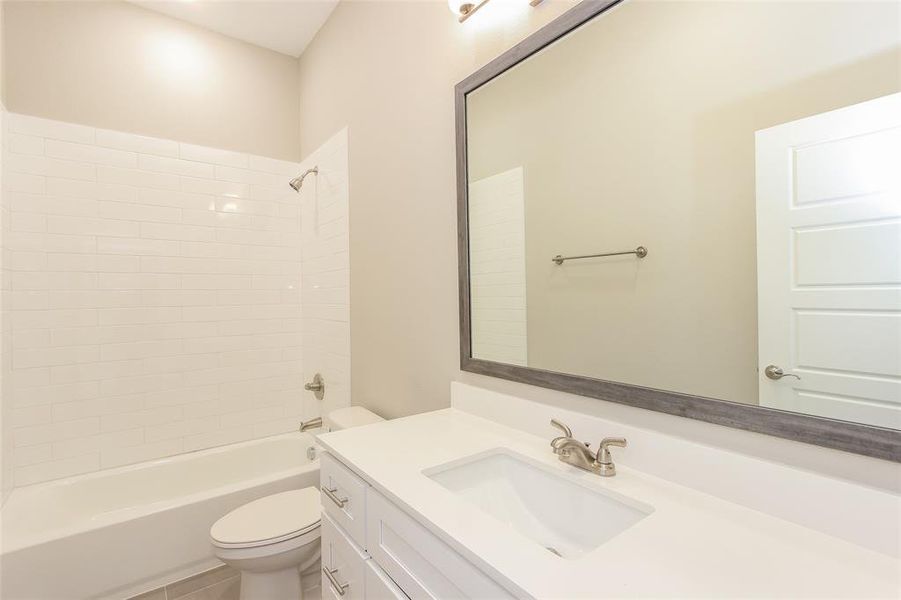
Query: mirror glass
x=741 y=161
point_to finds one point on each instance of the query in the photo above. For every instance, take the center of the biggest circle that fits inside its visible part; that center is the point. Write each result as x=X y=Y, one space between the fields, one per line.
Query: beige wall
x=656 y=148
x=6 y=458
x=117 y=66
x=387 y=71
x=3 y=4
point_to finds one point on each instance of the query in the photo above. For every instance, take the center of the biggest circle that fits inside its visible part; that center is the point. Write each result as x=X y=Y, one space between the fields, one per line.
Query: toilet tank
x=352 y=416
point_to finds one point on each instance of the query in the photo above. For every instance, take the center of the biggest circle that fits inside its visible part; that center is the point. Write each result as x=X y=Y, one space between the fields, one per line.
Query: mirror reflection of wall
x=639 y=129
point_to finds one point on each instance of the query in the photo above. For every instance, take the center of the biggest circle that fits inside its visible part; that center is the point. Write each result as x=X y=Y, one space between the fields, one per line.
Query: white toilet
x=274 y=540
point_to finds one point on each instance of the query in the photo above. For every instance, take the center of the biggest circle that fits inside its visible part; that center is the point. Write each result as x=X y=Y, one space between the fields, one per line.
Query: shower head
x=297 y=182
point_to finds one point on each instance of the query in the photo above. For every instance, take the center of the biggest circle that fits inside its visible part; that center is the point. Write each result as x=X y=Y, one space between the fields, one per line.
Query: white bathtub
x=118 y=532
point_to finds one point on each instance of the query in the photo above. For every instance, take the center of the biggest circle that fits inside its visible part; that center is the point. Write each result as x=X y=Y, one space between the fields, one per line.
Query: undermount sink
x=563 y=516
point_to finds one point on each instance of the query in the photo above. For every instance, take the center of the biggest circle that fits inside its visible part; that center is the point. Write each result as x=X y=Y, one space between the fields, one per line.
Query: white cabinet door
x=343 y=497
x=423 y=566
x=829 y=263
x=379 y=586
x=343 y=565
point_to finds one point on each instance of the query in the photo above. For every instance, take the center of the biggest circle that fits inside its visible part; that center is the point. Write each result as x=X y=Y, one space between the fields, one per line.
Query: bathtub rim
x=111 y=518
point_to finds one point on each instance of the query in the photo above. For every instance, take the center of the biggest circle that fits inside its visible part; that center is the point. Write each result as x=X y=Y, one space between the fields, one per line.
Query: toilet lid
x=269 y=520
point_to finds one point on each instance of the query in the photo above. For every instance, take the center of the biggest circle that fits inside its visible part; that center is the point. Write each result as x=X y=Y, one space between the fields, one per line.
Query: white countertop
x=693 y=544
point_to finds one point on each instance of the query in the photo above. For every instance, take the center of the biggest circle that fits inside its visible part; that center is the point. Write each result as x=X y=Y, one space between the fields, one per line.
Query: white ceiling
x=286 y=26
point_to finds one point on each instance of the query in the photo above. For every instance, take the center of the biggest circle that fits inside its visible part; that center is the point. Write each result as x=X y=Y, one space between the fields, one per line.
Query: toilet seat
x=270 y=520
x=236 y=555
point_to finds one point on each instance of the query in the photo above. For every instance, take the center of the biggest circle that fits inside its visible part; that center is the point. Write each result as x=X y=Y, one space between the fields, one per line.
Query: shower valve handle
x=317 y=386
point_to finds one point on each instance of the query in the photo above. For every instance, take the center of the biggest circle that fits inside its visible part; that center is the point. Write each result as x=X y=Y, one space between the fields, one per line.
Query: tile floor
x=221 y=583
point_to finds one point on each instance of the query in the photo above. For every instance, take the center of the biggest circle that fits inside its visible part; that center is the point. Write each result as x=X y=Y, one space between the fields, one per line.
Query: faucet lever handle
x=616 y=441
x=562 y=427
x=604 y=449
x=603 y=461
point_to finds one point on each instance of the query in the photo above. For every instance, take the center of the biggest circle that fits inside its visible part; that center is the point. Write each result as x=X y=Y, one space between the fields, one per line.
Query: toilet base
x=273 y=585
x=273 y=571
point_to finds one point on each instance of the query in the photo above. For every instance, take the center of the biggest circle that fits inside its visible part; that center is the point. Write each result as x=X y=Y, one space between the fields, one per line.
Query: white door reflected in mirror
x=829 y=263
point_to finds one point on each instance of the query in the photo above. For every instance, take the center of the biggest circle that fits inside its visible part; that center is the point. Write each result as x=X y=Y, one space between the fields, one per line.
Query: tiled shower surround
x=497 y=239
x=153 y=295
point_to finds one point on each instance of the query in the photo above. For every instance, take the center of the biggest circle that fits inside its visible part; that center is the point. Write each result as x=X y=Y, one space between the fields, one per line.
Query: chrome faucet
x=579 y=454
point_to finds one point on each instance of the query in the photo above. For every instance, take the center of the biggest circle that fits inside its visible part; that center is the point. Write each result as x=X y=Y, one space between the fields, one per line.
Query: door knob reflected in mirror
x=776 y=373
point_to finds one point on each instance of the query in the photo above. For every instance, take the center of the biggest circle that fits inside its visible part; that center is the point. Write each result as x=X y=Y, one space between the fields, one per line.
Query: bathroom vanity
x=451 y=505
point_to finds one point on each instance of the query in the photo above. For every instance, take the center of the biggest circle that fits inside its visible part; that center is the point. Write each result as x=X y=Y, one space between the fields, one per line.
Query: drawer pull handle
x=331 y=496
x=340 y=588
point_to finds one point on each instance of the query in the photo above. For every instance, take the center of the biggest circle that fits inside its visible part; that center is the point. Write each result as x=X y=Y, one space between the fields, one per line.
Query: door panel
x=868 y=264
x=852 y=166
x=861 y=342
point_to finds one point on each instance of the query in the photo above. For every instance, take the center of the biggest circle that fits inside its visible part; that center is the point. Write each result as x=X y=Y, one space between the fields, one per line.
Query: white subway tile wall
x=325 y=293
x=153 y=297
x=497 y=238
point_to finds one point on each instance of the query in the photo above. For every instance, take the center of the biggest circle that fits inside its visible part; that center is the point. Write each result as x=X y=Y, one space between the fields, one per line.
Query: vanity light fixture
x=464 y=9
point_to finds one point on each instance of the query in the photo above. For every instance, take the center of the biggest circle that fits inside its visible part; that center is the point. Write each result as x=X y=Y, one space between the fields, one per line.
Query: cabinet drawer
x=423 y=566
x=345 y=563
x=379 y=586
x=343 y=497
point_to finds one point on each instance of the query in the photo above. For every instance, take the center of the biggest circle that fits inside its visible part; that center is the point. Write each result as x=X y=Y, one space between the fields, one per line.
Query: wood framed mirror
x=651 y=214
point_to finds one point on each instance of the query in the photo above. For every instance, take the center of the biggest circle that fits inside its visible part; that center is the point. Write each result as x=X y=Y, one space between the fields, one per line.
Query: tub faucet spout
x=311 y=424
